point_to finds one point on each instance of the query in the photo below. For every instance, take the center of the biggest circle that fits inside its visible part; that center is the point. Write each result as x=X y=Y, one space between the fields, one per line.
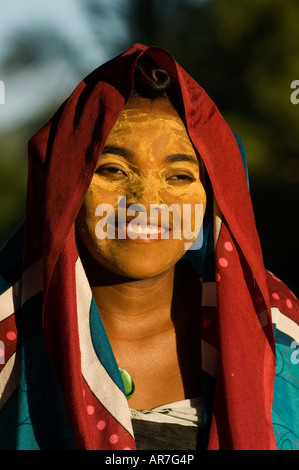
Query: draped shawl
x=60 y=384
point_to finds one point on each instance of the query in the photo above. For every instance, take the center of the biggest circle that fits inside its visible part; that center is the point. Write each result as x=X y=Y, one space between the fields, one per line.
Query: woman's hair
x=150 y=80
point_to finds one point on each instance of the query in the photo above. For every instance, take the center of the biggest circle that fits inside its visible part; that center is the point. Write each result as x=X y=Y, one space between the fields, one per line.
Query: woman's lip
x=146 y=221
x=141 y=233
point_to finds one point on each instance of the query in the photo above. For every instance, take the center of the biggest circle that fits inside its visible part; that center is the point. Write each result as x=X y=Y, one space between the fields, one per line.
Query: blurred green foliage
x=13 y=168
x=245 y=54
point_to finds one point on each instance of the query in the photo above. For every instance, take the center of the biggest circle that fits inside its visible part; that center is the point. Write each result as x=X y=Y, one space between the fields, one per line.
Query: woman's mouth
x=141 y=231
x=132 y=228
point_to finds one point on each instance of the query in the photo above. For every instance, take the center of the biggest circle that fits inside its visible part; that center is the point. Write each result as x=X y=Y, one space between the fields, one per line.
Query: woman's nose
x=147 y=192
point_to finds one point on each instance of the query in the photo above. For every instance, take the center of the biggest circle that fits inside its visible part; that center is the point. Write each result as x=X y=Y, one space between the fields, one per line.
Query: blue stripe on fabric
x=102 y=346
x=42 y=419
x=280 y=337
x=8 y=423
x=243 y=155
x=285 y=409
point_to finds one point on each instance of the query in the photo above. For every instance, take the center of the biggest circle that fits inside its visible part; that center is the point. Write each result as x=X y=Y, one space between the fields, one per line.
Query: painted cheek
x=189 y=194
x=87 y=219
x=192 y=202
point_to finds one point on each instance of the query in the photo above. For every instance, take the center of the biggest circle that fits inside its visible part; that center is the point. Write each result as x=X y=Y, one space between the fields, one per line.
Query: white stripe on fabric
x=98 y=379
x=9 y=379
x=10 y=301
x=210 y=359
x=31 y=284
x=184 y=412
x=285 y=324
x=209 y=296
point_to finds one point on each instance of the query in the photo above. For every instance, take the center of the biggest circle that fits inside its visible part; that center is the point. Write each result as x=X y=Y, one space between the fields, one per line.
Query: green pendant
x=128 y=383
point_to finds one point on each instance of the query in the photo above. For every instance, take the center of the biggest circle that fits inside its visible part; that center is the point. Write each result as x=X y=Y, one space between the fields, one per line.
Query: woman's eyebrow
x=173 y=158
x=182 y=157
x=122 y=152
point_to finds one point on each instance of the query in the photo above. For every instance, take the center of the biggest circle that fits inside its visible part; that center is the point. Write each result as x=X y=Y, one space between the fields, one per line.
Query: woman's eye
x=180 y=179
x=111 y=172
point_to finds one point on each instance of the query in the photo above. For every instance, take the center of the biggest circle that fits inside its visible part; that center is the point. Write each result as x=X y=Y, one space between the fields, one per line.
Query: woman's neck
x=130 y=308
x=136 y=309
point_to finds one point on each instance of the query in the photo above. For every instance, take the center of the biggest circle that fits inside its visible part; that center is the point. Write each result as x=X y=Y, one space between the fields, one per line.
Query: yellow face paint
x=148 y=160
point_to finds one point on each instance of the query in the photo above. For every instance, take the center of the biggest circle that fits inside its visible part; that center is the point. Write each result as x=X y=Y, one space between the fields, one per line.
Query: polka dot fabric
x=8 y=338
x=108 y=433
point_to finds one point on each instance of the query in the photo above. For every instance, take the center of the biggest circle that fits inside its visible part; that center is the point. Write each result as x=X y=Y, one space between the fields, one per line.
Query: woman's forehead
x=139 y=109
x=149 y=122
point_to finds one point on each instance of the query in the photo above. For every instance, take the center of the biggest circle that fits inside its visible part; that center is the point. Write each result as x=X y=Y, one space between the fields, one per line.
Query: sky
x=29 y=89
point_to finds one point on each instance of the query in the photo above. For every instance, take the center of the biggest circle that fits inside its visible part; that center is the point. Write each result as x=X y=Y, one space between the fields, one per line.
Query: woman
x=115 y=334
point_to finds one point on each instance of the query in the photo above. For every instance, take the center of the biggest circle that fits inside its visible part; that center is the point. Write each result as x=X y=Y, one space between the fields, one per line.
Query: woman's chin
x=139 y=270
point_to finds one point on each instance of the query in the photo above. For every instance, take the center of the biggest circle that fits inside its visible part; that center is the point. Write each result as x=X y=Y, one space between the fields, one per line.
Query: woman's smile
x=141 y=229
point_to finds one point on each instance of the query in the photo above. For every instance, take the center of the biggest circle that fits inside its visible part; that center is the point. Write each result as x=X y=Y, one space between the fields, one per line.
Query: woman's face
x=149 y=161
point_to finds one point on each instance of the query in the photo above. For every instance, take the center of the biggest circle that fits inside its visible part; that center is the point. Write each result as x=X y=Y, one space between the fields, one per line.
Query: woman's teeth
x=144 y=229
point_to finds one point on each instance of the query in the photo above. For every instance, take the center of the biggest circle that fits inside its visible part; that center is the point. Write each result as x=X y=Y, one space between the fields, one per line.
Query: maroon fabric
x=62 y=158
